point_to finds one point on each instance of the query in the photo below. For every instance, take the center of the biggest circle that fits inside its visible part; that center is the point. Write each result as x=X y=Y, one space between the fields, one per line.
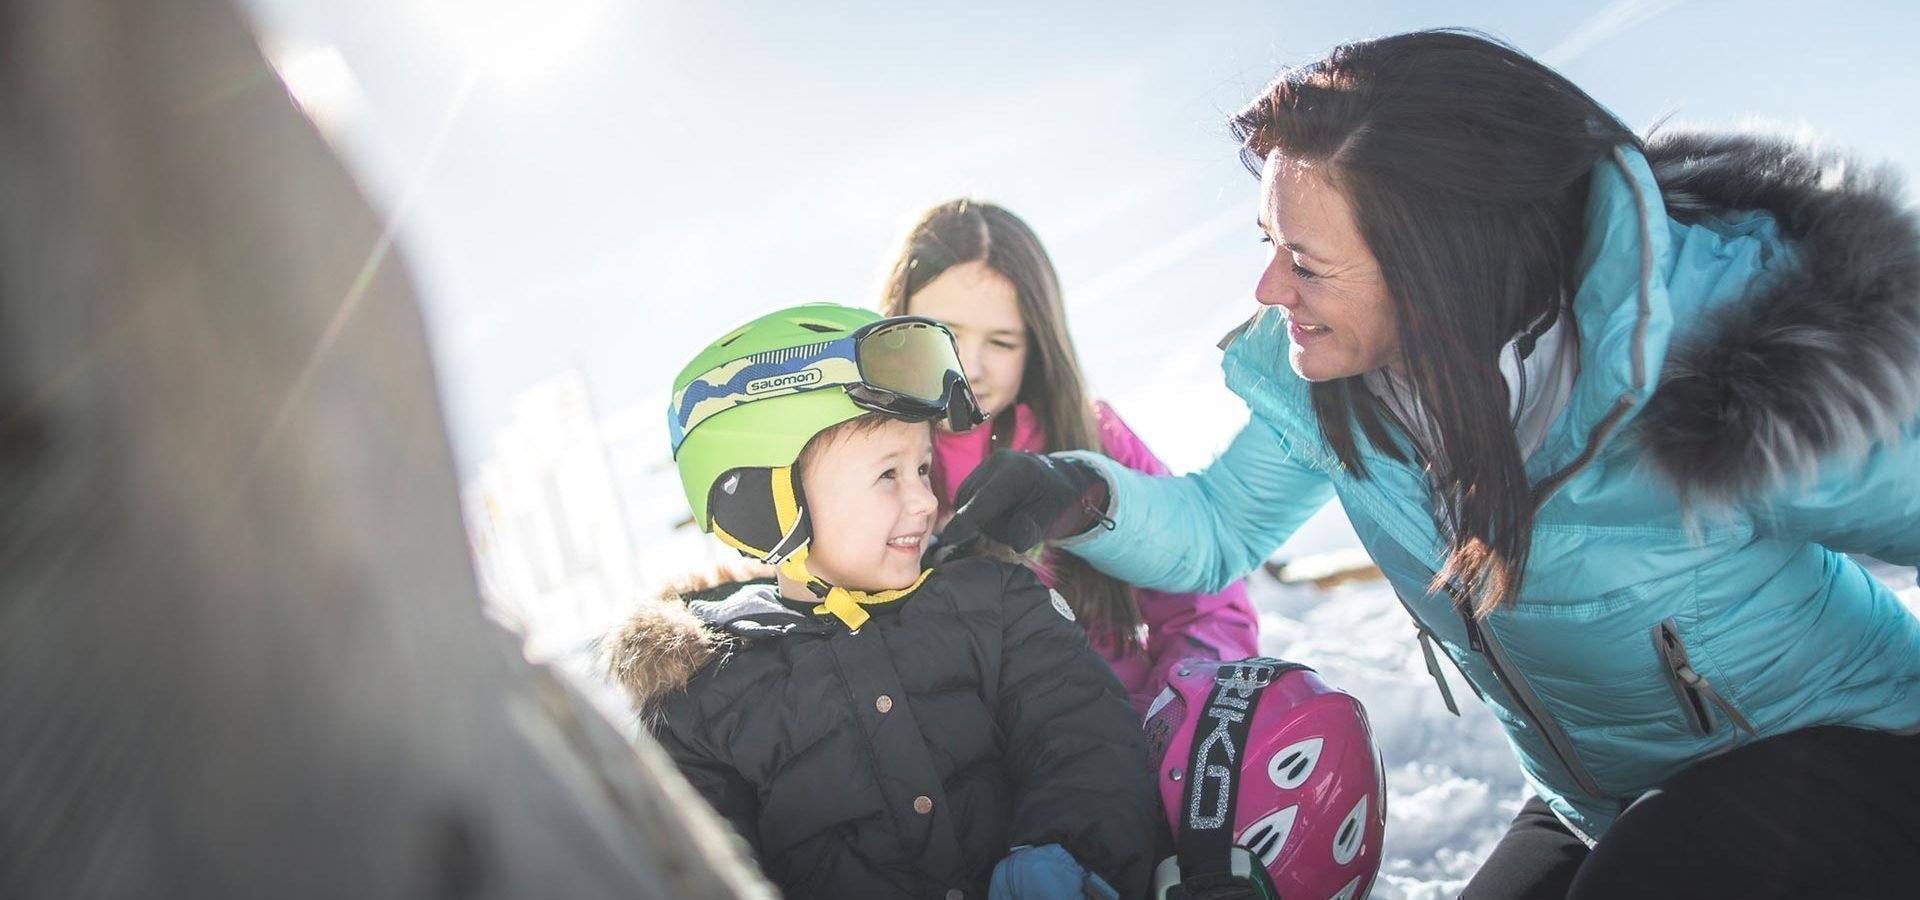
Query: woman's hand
x=1021 y=499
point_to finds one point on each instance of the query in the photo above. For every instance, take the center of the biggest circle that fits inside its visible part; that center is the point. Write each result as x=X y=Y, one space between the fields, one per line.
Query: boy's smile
x=907 y=543
x=871 y=503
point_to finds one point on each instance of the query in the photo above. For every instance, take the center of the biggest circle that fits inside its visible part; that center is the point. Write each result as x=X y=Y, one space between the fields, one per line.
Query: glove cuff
x=1089 y=508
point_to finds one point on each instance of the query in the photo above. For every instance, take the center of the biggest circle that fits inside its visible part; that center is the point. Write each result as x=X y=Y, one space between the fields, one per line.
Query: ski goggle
x=906 y=367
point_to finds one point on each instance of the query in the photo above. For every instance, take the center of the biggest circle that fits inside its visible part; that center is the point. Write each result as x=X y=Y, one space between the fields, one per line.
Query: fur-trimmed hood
x=666 y=640
x=659 y=647
x=1820 y=361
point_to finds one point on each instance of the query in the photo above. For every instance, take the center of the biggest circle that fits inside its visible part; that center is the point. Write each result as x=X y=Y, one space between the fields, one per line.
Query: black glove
x=1021 y=499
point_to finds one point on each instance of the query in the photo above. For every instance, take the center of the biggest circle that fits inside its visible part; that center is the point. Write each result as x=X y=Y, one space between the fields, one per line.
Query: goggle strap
x=731 y=383
x=824 y=364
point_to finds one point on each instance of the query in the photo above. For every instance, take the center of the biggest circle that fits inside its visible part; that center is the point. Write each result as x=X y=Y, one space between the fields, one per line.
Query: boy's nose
x=920 y=500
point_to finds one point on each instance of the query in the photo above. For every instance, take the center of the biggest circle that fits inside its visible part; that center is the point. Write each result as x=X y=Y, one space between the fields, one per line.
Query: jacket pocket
x=1692 y=692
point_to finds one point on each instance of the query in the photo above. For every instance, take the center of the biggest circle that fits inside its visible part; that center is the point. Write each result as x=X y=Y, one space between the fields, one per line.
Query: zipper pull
x=1433 y=668
x=1667 y=639
x=1698 y=682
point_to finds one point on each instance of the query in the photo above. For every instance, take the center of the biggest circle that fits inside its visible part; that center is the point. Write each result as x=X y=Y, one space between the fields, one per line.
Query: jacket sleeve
x=1202 y=531
x=1217 y=625
x=1074 y=750
x=1870 y=506
x=730 y=795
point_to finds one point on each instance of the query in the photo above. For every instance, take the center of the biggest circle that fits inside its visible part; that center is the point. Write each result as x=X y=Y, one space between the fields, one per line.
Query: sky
x=606 y=185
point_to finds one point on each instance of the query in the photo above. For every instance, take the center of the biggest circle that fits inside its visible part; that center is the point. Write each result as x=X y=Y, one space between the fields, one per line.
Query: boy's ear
x=760 y=511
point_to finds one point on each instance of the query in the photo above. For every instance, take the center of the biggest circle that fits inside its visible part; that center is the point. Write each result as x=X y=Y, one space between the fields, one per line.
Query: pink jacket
x=1212 y=626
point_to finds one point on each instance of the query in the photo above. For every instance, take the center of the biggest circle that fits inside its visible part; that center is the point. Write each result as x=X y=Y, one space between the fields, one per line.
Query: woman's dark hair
x=964 y=231
x=1467 y=166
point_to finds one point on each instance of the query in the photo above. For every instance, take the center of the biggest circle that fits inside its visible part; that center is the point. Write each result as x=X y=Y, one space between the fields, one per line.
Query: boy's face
x=871 y=504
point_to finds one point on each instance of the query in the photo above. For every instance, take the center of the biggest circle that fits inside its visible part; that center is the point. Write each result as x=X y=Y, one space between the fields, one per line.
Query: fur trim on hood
x=659 y=647
x=1820 y=362
x=657 y=650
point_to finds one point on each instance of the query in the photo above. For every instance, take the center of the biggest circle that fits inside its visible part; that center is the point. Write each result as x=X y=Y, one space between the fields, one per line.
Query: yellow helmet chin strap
x=841 y=603
x=750 y=495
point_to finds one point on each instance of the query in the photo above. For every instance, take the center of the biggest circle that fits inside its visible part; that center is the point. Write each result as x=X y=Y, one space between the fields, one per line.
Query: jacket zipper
x=1484 y=643
x=1691 y=690
x=1488 y=646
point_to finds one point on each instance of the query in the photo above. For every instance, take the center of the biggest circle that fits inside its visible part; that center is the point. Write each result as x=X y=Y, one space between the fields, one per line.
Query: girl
x=980 y=270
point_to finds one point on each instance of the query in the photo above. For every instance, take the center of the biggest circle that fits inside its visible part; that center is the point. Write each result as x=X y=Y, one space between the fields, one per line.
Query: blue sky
x=605 y=184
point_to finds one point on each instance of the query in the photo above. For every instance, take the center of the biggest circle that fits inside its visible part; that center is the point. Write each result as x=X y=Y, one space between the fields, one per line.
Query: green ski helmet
x=742 y=410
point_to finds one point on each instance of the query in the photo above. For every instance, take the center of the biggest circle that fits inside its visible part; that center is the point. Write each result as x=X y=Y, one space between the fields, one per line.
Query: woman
x=1608 y=415
x=980 y=270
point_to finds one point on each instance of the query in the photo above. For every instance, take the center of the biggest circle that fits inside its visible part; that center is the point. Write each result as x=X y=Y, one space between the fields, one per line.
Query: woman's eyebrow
x=1302 y=249
x=1295 y=246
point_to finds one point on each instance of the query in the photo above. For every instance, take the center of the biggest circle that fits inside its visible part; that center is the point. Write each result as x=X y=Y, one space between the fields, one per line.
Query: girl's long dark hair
x=963 y=231
x=1467 y=165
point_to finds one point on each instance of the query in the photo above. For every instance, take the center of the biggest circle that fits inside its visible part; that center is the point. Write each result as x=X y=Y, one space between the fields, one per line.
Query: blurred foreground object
x=241 y=650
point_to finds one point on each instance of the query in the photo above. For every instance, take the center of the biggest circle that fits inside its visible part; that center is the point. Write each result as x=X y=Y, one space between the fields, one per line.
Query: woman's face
x=1340 y=320
x=982 y=309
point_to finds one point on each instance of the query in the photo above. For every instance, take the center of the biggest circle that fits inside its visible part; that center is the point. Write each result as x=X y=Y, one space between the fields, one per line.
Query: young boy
x=870 y=727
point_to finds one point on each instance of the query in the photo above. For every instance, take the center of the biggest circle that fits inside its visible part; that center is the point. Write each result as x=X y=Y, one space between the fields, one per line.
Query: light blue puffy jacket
x=1750 y=338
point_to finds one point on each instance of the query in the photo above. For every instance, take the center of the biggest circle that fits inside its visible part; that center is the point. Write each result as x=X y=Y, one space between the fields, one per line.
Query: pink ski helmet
x=1271 y=781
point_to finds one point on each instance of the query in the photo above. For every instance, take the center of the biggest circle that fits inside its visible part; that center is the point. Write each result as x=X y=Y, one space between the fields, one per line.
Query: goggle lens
x=911 y=359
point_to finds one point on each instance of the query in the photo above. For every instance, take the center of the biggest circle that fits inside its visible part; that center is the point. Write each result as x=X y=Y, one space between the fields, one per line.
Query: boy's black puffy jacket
x=907 y=759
